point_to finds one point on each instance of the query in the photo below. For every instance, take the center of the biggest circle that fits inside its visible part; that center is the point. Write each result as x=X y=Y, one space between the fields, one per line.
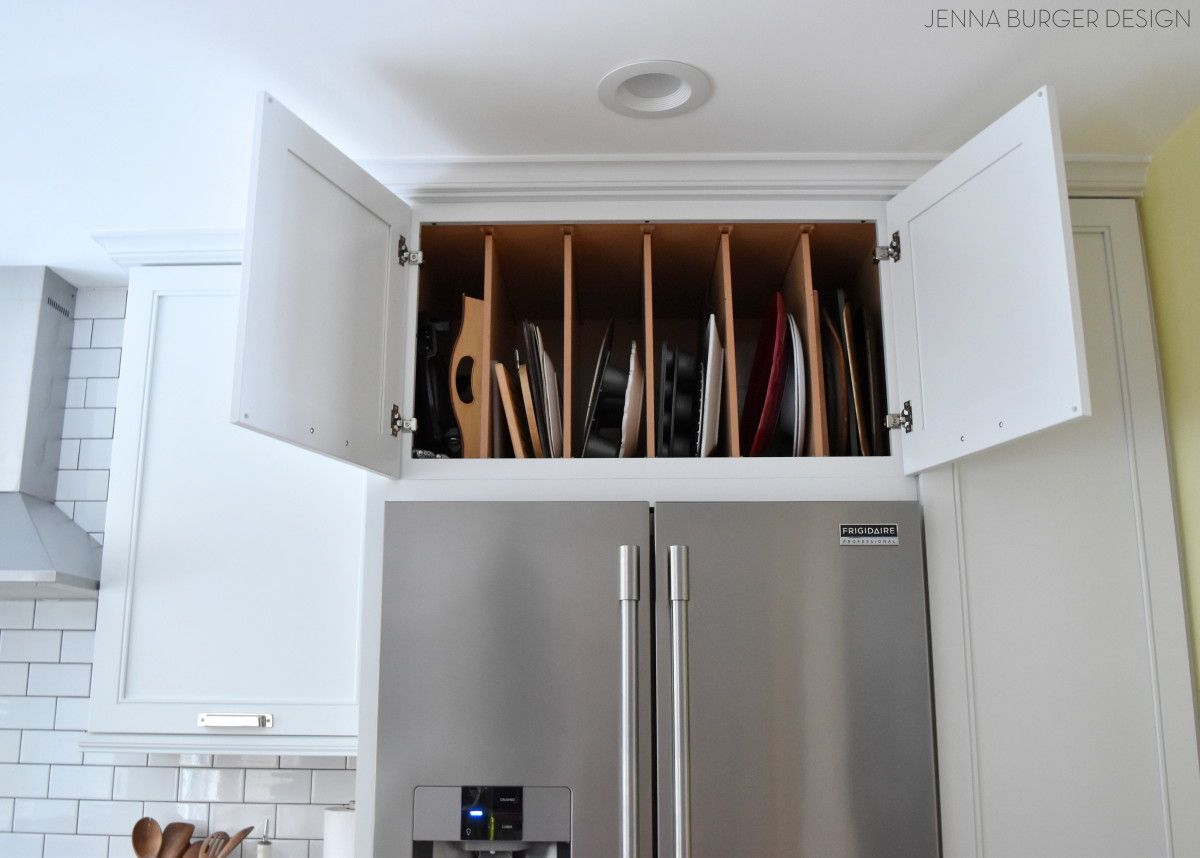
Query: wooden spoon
x=147 y=838
x=175 y=839
x=193 y=851
x=211 y=847
x=235 y=840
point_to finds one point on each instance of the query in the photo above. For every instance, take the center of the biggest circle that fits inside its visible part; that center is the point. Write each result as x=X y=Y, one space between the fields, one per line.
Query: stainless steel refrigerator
x=600 y=680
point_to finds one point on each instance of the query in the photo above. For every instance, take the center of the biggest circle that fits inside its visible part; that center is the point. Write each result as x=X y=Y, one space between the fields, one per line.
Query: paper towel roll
x=339 y=832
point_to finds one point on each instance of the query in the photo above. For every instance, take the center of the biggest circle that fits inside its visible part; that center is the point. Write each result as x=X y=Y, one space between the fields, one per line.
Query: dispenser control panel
x=492 y=812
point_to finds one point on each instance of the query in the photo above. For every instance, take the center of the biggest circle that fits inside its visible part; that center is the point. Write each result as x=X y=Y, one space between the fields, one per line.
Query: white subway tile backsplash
x=23 y=645
x=108 y=817
x=95 y=453
x=95 y=363
x=279 y=785
x=51 y=746
x=68 y=454
x=26 y=713
x=172 y=811
x=245 y=761
x=76 y=387
x=178 y=760
x=301 y=821
x=283 y=849
x=100 y=303
x=330 y=786
x=211 y=785
x=24 y=781
x=101 y=393
x=23 y=713
x=77 y=647
x=45 y=815
x=75 y=846
x=107 y=333
x=71 y=713
x=83 y=485
x=21 y=845
x=233 y=817
x=59 y=680
x=352 y=762
x=67 y=507
x=6 y=813
x=145 y=784
x=16 y=615
x=65 y=614
x=13 y=677
x=10 y=746
x=113 y=758
x=312 y=762
x=88 y=422
x=81 y=782
x=81 y=336
x=90 y=515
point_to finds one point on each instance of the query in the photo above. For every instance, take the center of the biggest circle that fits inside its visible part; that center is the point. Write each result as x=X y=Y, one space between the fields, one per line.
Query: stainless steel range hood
x=43 y=554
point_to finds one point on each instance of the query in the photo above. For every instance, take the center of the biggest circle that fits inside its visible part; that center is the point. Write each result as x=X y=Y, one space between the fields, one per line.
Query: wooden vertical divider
x=568 y=370
x=802 y=301
x=649 y=357
x=722 y=301
x=497 y=336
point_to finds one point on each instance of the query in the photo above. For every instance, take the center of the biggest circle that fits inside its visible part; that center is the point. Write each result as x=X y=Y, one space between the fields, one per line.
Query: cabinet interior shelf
x=655 y=284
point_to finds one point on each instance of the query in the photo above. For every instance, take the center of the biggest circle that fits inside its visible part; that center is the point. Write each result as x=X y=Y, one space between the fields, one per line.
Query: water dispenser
x=502 y=821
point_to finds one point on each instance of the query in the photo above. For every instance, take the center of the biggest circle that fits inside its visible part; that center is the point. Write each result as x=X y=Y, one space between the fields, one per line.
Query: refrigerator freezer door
x=501 y=659
x=808 y=686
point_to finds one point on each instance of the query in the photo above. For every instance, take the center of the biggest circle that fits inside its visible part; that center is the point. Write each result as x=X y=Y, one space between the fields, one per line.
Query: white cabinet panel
x=1064 y=695
x=320 y=355
x=988 y=341
x=232 y=569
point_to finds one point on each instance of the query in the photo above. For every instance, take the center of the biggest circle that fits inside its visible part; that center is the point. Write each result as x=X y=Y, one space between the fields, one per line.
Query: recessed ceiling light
x=654 y=88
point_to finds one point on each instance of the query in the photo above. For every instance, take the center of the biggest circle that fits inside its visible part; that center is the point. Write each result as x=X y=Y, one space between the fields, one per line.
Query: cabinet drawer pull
x=233 y=719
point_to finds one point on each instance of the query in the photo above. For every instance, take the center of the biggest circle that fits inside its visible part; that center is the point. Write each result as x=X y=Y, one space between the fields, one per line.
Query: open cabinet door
x=988 y=334
x=320 y=361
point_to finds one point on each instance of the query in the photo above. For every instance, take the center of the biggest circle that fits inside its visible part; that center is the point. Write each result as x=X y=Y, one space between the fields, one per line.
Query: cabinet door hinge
x=402 y=424
x=903 y=420
x=888 y=251
x=405 y=256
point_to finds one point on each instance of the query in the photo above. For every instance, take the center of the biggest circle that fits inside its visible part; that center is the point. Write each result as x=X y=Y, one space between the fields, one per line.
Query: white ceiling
x=129 y=114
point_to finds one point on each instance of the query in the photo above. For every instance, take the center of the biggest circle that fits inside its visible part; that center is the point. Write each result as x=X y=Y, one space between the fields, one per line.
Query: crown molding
x=571 y=178
x=129 y=247
x=845 y=176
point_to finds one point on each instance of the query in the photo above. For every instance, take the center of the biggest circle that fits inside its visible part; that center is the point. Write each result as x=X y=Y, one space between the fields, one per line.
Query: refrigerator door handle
x=677 y=570
x=629 y=593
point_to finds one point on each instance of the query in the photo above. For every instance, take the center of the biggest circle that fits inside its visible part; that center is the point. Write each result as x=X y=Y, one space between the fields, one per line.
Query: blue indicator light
x=475 y=813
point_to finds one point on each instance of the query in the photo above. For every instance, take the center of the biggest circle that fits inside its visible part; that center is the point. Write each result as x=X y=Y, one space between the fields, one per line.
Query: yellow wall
x=1171 y=222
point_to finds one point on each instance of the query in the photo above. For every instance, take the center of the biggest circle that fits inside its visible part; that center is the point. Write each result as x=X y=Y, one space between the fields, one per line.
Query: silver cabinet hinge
x=402 y=424
x=405 y=256
x=888 y=251
x=903 y=420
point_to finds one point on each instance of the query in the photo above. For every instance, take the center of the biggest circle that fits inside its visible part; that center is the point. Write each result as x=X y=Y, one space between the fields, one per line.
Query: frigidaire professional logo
x=870 y=534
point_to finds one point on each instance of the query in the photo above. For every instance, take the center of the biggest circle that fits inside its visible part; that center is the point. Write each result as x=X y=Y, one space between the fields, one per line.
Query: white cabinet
x=1064 y=697
x=981 y=316
x=231 y=578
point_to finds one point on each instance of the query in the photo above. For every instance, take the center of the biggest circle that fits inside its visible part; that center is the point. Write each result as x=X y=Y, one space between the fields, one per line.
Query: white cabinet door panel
x=320 y=342
x=232 y=566
x=988 y=338
x=1065 y=712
